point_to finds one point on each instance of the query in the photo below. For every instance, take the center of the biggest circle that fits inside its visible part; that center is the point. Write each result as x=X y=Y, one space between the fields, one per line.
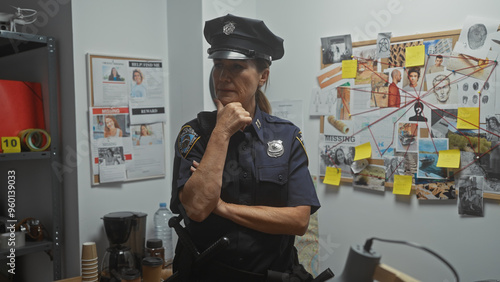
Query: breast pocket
x=272 y=186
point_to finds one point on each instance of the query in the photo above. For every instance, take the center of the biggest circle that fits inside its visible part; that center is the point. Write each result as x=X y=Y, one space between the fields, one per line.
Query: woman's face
x=340 y=156
x=413 y=76
x=113 y=71
x=492 y=123
x=237 y=81
x=144 y=131
x=137 y=77
x=110 y=123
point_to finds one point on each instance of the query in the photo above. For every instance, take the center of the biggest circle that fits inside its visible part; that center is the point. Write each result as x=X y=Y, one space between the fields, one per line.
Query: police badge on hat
x=275 y=148
x=228 y=28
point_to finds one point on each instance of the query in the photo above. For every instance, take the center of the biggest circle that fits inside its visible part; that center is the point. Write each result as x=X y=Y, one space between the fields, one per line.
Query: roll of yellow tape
x=34 y=139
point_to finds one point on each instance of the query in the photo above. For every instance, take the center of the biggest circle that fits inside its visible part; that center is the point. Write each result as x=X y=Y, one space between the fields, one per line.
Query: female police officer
x=251 y=183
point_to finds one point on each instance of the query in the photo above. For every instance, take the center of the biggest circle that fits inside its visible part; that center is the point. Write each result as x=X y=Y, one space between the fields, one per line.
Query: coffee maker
x=126 y=232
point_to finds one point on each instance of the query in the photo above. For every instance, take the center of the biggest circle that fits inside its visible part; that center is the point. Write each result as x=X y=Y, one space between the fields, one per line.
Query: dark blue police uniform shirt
x=251 y=177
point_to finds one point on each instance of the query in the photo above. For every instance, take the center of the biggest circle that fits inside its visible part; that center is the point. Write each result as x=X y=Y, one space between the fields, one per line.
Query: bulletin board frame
x=95 y=96
x=454 y=35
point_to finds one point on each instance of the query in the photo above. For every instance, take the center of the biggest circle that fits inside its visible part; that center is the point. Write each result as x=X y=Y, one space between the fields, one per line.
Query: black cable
x=369 y=243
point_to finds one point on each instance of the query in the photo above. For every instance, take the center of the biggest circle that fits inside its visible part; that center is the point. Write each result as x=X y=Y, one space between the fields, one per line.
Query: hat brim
x=229 y=55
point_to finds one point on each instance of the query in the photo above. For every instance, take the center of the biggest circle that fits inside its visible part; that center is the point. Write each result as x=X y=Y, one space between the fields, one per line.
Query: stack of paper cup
x=89 y=262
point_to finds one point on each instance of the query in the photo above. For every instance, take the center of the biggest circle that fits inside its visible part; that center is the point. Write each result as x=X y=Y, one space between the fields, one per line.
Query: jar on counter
x=154 y=248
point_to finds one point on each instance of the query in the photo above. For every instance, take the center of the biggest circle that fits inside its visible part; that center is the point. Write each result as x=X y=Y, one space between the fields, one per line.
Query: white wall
x=119 y=28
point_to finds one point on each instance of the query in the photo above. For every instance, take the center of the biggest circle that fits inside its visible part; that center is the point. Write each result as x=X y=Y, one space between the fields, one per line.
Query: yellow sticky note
x=449 y=158
x=363 y=151
x=468 y=118
x=10 y=144
x=332 y=175
x=415 y=56
x=349 y=68
x=402 y=184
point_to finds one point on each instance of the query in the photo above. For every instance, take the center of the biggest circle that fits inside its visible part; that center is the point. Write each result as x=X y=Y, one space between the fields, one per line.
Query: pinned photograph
x=335 y=49
x=367 y=63
x=470 y=191
x=471 y=66
x=394 y=165
x=493 y=136
x=428 y=153
x=396 y=97
x=337 y=156
x=407 y=137
x=398 y=53
x=437 y=52
x=343 y=110
x=472 y=166
x=384 y=45
x=412 y=81
x=473 y=92
x=372 y=178
x=443 y=122
x=410 y=163
x=380 y=89
x=359 y=165
x=473 y=40
x=433 y=189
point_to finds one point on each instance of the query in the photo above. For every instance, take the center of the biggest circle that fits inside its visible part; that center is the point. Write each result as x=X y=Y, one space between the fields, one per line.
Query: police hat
x=233 y=37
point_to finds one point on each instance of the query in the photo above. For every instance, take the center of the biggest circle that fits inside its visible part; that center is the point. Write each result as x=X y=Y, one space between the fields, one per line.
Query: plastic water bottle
x=163 y=231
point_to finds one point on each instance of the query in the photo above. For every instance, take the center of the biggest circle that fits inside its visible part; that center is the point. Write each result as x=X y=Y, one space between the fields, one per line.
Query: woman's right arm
x=200 y=195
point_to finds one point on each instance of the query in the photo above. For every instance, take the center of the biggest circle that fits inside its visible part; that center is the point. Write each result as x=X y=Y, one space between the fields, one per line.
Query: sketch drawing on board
x=441 y=91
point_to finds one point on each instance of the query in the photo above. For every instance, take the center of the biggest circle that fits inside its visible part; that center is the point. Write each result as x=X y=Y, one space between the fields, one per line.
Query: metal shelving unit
x=12 y=44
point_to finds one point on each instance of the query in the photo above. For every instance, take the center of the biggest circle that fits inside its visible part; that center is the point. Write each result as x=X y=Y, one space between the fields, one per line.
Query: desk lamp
x=362 y=261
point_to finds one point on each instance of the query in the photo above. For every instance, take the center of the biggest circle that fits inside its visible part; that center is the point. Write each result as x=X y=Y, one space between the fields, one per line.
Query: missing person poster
x=128 y=82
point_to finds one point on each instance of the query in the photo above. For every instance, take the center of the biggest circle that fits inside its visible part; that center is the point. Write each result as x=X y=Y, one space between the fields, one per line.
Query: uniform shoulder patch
x=186 y=140
x=301 y=140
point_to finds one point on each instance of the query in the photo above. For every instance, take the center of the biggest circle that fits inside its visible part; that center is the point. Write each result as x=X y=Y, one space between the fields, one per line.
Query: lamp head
x=360 y=265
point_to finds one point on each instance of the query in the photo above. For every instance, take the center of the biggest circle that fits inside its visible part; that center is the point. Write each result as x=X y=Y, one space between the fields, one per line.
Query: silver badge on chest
x=275 y=148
